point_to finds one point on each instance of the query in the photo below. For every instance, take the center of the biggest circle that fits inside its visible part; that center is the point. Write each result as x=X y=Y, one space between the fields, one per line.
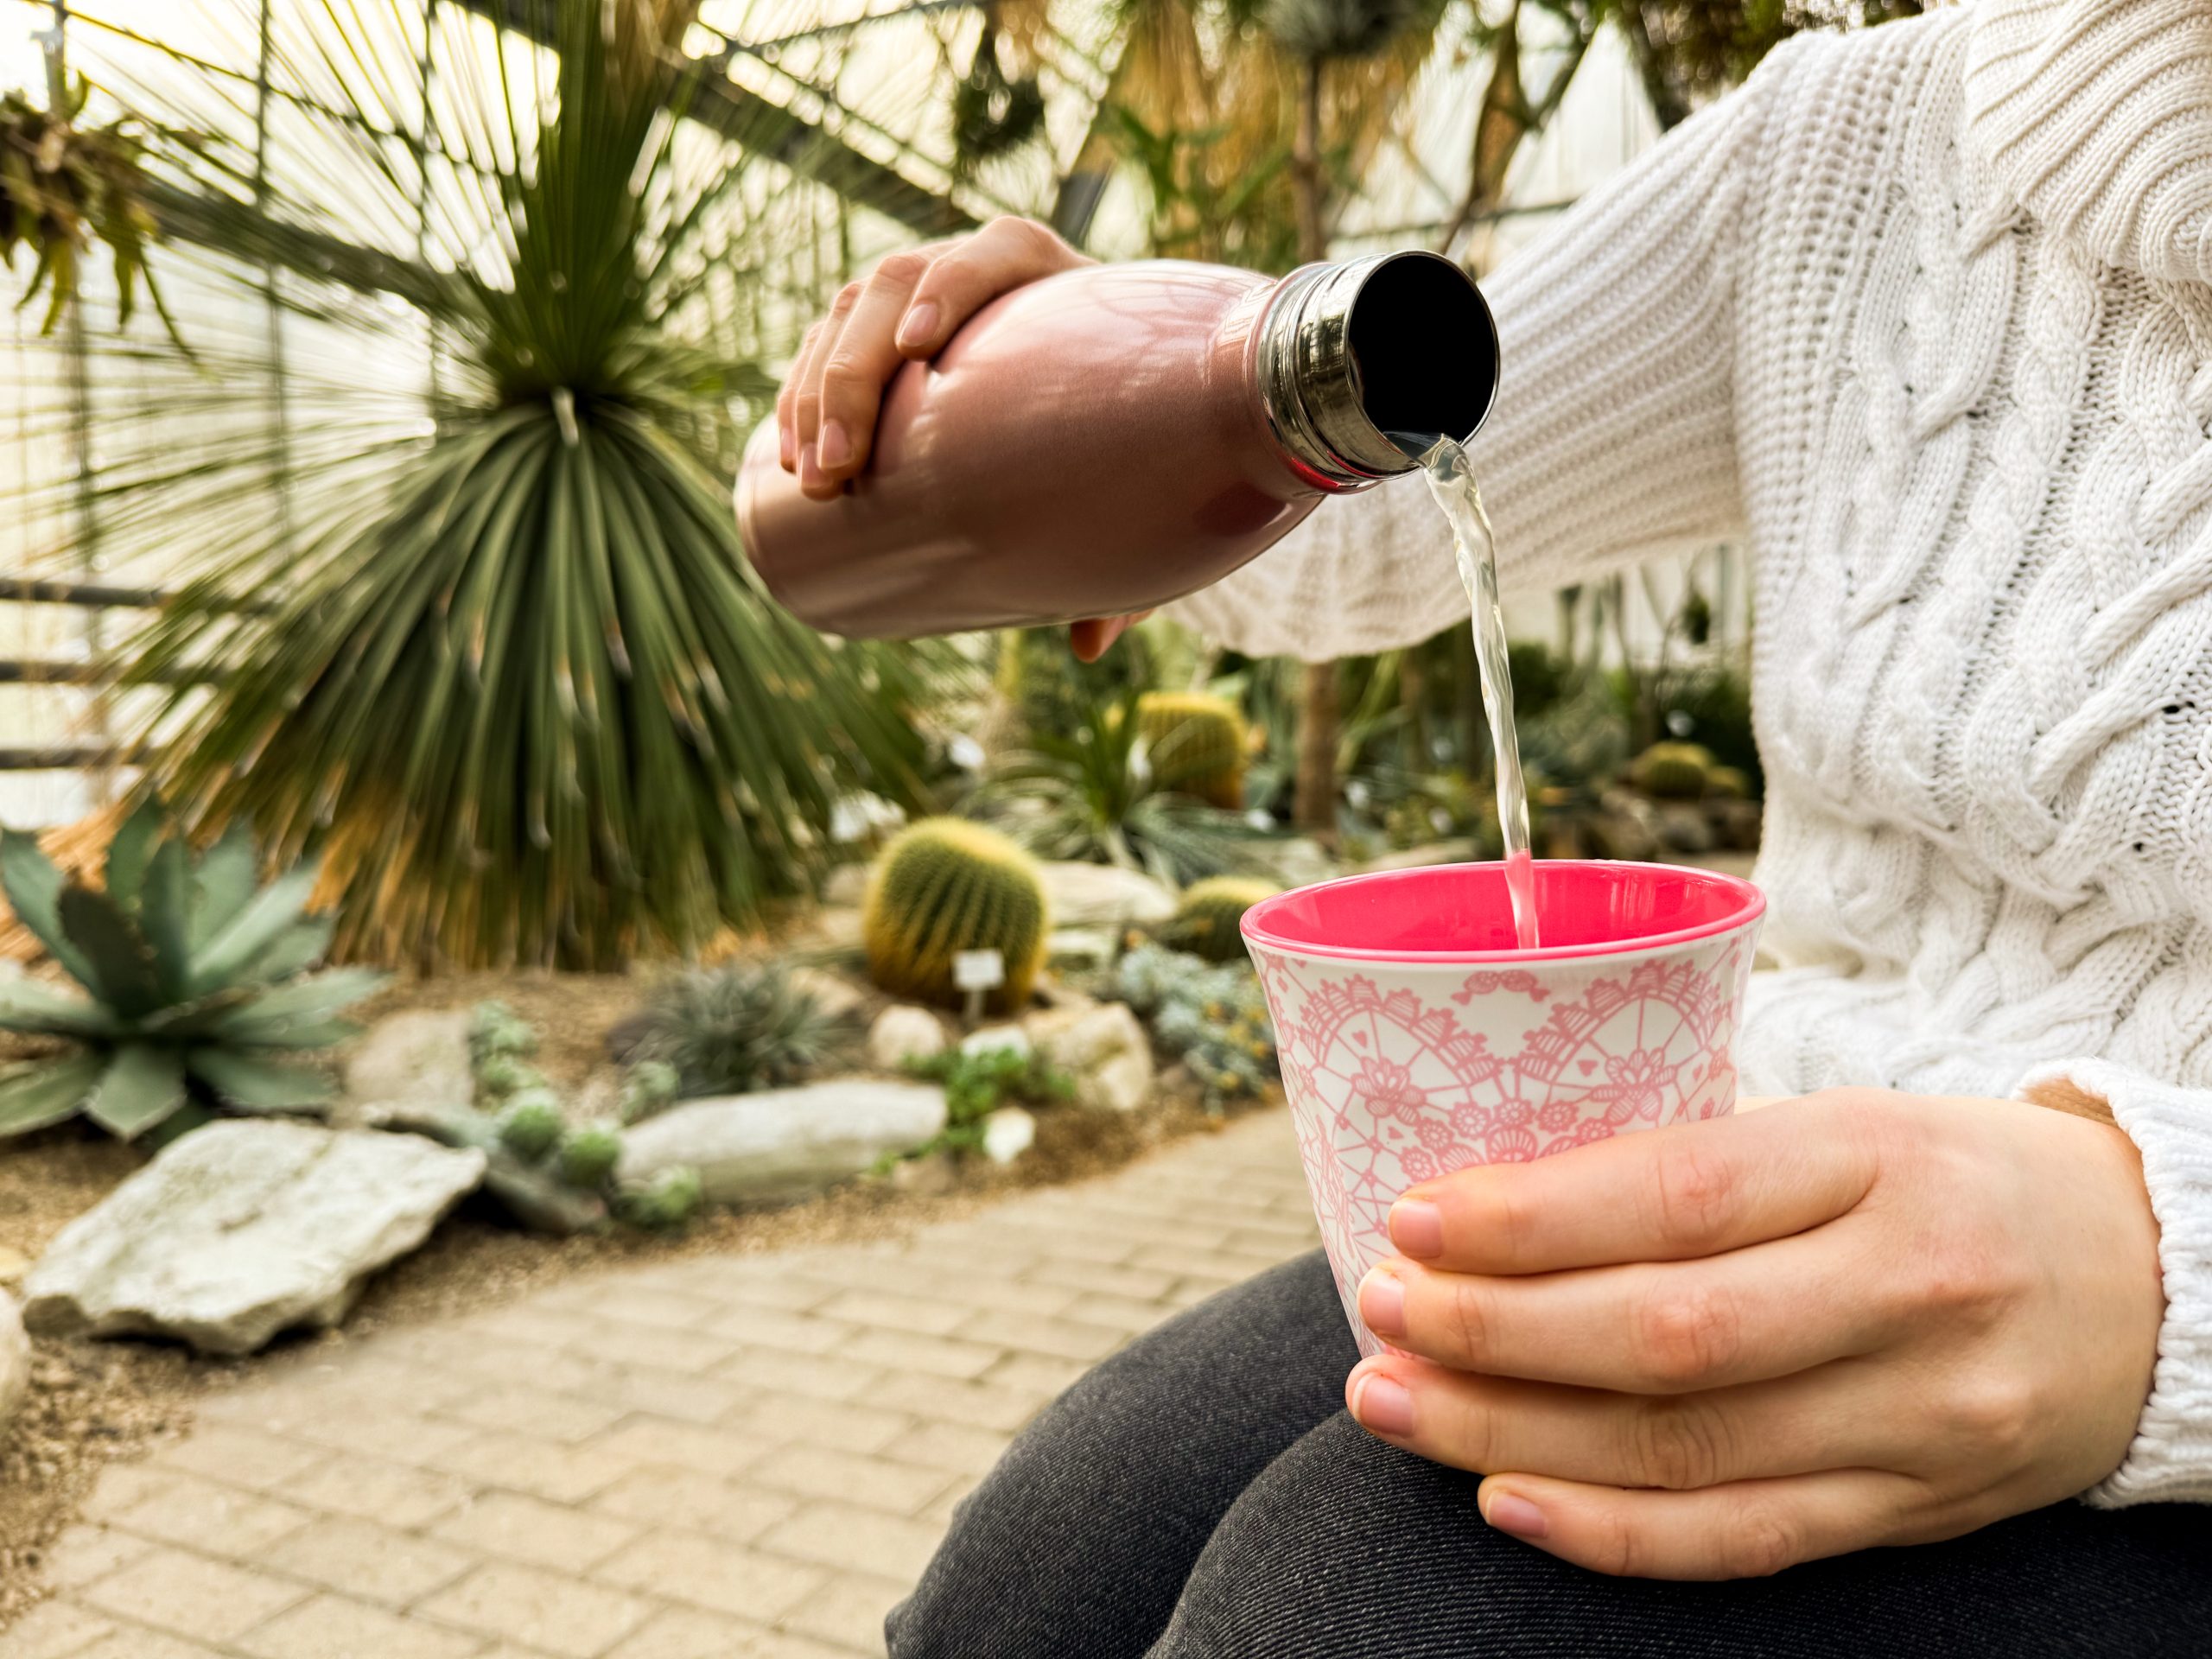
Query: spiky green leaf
x=164 y=918
x=38 y=1092
x=222 y=886
x=38 y=1009
x=132 y=850
x=295 y=950
x=253 y=1085
x=34 y=889
x=122 y=962
x=231 y=949
x=141 y=1085
x=281 y=1018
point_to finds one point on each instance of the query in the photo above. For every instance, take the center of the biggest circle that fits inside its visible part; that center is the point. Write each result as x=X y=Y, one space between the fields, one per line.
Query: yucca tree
x=505 y=667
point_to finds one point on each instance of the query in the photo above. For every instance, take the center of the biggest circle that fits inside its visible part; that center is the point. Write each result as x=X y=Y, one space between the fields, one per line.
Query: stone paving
x=725 y=1458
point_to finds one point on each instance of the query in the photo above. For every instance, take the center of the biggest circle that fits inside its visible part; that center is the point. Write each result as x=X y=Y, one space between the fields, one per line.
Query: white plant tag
x=978 y=971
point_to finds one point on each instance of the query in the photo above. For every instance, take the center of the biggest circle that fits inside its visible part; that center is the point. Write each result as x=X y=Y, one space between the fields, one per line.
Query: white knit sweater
x=1927 y=311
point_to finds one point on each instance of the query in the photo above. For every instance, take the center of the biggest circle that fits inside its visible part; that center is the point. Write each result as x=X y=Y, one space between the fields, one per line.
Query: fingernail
x=1383 y=1405
x=836 y=447
x=1382 y=1304
x=1510 y=1513
x=918 y=326
x=809 y=473
x=1417 y=1228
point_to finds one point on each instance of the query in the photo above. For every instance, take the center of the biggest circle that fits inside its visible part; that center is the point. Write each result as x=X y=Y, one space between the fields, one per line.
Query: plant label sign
x=978 y=971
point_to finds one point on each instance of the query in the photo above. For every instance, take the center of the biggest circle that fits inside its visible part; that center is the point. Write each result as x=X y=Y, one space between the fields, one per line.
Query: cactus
x=495 y=1029
x=588 y=1155
x=1728 y=784
x=944 y=886
x=1672 y=771
x=500 y=1075
x=664 y=1204
x=530 y=1125
x=648 y=1088
x=1205 y=921
x=1198 y=745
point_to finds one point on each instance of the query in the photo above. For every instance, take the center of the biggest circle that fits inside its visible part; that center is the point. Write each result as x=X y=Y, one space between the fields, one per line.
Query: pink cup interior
x=1459 y=913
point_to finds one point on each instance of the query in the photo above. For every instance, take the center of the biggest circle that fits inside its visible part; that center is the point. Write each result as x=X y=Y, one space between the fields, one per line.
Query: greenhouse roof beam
x=767 y=129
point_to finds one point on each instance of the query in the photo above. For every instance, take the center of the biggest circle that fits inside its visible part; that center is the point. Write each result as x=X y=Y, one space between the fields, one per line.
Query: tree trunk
x=1316 y=801
x=1669 y=105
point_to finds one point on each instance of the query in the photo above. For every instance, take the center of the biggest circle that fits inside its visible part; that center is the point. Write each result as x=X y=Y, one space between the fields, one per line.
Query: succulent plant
x=1205 y=920
x=649 y=1088
x=197 y=999
x=1210 y=1015
x=1728 y=784
x=1672 y=771
x=530 y=1125
x=664 y=1204
x=499 y=1075
x=589 y=1154
x=1196 y=743
x=496 y=1029
x=735 y=1028
x=944 y=886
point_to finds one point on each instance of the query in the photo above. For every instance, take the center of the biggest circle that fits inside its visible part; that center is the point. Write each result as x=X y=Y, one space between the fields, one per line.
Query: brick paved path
x=718 y=1459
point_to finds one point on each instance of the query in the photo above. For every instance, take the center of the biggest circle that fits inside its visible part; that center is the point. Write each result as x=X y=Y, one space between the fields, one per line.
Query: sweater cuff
x=2170 y=1458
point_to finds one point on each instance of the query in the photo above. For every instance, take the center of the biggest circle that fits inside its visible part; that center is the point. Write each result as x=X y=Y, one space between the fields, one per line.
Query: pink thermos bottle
x=1113 y=437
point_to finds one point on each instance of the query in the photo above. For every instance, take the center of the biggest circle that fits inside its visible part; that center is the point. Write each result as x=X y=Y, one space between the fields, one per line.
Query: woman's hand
x=1717 y=1350
x=825 y=414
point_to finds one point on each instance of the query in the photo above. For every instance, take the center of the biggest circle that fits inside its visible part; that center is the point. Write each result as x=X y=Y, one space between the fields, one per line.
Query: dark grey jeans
x=1204 y=1496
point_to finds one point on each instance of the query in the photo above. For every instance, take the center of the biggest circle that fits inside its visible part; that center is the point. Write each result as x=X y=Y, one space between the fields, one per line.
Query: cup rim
x=1751 y=905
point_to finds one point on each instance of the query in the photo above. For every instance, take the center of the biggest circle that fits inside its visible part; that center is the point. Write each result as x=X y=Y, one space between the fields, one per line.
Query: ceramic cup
x=1416 y=1038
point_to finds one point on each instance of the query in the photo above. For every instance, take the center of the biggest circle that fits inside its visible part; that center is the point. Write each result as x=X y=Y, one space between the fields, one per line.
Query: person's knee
x=1078 y=1540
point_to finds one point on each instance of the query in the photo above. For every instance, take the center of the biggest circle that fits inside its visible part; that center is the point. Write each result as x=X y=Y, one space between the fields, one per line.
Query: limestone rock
x=901 y=1033
x=991 y=1038
x=1080 y=950
x=1104 y=1048
x=15 y=1361
x=1104 y=895
x=417 y=1059
x=847 y=886
x=1009 y=1133
x=785 y=1144
x=244 y=1229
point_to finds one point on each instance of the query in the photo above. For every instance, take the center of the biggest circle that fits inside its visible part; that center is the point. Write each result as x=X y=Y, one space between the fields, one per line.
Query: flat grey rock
x=1104 y=895
x=785 y=1144
x=242 y=1230
x=416 y=1060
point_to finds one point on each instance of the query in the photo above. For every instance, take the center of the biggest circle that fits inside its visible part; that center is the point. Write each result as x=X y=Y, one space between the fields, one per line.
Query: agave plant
x=487 y=640
x=1102 y=791
x=738 y=1027
x=196 y=1001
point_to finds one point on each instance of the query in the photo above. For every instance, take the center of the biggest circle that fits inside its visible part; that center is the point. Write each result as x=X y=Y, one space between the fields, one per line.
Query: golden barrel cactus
x=1198 y=745
x=1205 y=920
x=944 y=886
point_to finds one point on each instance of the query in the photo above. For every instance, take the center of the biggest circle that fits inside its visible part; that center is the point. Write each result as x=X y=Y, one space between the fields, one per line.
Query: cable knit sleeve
x=1614 y=435
x=2170 y=1458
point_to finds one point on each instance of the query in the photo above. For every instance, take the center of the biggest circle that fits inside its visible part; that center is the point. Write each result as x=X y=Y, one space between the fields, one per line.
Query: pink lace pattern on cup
x=1389 y=1090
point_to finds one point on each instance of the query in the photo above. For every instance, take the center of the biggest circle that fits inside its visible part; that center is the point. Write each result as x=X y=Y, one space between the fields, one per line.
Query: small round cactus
x=530 y=1125
x=664 y=1204
x=589 y=1153
x=1672 y=771
x=1206 y=918
x=495 y=1029
x=504 y=1075
x=648 y=1087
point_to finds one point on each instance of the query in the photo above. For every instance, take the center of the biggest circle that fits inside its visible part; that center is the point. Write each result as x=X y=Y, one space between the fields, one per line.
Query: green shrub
x=978 y=1083
x=1206 y=917
x=197 y=999
x=1714 y=709
x=944 y=886
x=734 y=1029
x=664 y=1204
